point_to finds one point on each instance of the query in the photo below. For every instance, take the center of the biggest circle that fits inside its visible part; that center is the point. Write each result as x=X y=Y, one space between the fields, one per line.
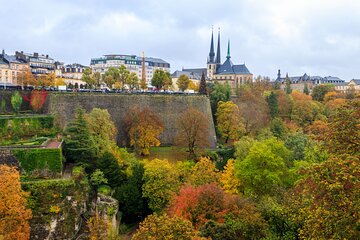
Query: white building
x=132 y=63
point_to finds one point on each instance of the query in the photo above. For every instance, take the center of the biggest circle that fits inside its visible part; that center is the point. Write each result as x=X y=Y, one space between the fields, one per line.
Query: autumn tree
x=229 y=122
x=98 y=228
x=14 y=215
x=26 y=78
x=183 y=82
x=161 y=181
x=202 y=87
x=59 y=82
x=209 y=202
x=193 y=86
x=97 y=78
x=204 y=172
x=304 y=110
x=102 y=129
x=254 y=111
x=38 y=99
x=193 y=130
x=228 y=180
x=164 y=227
x=326 y=202
x=46 y=80
x=143 y=128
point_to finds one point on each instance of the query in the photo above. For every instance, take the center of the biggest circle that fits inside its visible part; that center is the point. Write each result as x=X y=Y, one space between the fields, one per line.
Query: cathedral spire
x=212 y=52
x=228 y=51
x=218 y=55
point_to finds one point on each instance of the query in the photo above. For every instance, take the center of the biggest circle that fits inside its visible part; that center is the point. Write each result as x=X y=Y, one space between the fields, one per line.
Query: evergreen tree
x=78 y=144
x=108 y=164
x=202 y=88
x=287 y=85
x=273 y=104
x=306 y=89
x=277 y=85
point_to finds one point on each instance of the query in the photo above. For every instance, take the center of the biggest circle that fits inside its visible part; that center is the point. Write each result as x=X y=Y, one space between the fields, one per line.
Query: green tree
x=288 y=89
x=229 y=122
x=326 y=202
x=264 y=169
x=220 y=92
x=97 y=78
x=273 y=104
x=242 y=147
x=123 y=76
x=297 y=143
x=78 y=144
x=306 y=89
x=132 y=81
x=319 y=91
x=97 y=178
x=111 y=76
x=16 y=101
x=113 y=172
x=278 y=127
x=160 y=79
x=88 y=77
x=102 y=129
x=183 y=82
x=161 y=181
x=202 y=88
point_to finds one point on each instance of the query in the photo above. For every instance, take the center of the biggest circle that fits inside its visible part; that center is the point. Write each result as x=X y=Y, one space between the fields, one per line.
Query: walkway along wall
x=167 y=107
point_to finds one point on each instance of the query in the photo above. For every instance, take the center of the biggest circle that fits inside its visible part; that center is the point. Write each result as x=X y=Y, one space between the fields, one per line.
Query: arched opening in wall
x=76 y=85
x=81 y=86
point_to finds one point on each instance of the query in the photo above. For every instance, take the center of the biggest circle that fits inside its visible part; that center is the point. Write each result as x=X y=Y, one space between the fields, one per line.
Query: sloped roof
x=229 y=68
x=192 y=75
x=357 y=81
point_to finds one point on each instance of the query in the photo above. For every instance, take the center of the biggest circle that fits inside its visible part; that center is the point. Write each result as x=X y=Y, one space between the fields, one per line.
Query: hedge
x=17 y=127
x=40 y=159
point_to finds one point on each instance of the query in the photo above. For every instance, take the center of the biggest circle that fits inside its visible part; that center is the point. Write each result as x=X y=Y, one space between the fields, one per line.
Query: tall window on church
x=209 y=66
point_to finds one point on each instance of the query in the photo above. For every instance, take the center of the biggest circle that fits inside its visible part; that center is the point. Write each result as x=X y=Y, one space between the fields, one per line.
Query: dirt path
x=53 y=144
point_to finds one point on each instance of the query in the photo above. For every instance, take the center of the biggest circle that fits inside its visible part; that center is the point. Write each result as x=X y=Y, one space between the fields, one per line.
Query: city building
x=10 y=69
x=224 y=72
x=299 y=82
x=353 y=85
x=72 y=74
x=193 y=76
x=39 y=63
x=132 y=63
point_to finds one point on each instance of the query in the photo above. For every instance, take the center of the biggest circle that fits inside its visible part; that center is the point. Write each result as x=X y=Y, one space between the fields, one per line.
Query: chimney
x=36 y=54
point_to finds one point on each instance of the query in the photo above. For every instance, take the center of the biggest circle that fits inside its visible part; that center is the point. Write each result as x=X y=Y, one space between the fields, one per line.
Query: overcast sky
x=319 y=37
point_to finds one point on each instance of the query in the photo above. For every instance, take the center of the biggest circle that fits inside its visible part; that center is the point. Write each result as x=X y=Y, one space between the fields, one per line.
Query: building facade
x=353 y=85
x=72 y=74
x=132 y=63
x=39 y=63
x=226 y=72
x=298 y=82
x=10 y=68
x=193 y=77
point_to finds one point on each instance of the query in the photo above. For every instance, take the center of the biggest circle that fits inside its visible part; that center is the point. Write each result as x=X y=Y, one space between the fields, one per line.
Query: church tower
x=211 y=65
x=218 y=54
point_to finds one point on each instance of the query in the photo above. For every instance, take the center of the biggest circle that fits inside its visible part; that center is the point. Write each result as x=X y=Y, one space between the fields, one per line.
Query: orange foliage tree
x=38 y=99
x=143 y=128
x=193 y=130
x=209 y=202
x=26 y=78
x=14 y=215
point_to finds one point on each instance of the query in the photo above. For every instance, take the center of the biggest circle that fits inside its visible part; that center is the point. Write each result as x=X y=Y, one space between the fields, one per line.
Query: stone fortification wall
x=167 y=107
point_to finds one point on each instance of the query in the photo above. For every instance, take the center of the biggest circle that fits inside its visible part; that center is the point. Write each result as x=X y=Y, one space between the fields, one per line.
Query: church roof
x=189 y=74
x=229 y=68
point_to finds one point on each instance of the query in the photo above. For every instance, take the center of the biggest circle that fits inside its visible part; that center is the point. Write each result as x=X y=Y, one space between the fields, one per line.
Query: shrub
x=16 y=101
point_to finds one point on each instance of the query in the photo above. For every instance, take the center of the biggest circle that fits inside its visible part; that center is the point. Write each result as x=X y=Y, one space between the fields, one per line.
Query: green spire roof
x=228 y=51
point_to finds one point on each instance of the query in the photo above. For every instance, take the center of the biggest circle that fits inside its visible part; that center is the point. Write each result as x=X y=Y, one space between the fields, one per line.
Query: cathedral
x=235 y=75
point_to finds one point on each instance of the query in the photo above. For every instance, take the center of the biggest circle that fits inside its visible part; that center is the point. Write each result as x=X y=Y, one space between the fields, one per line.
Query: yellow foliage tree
x=59 y=82
x=26 y=78
x=228 y=180
x=143 y=128
x=14 y=215
x=203 y=172
x=229 y=121
x=98 y=228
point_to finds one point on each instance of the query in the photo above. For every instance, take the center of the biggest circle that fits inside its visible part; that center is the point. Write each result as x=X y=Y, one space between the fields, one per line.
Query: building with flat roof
x=132 y=63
